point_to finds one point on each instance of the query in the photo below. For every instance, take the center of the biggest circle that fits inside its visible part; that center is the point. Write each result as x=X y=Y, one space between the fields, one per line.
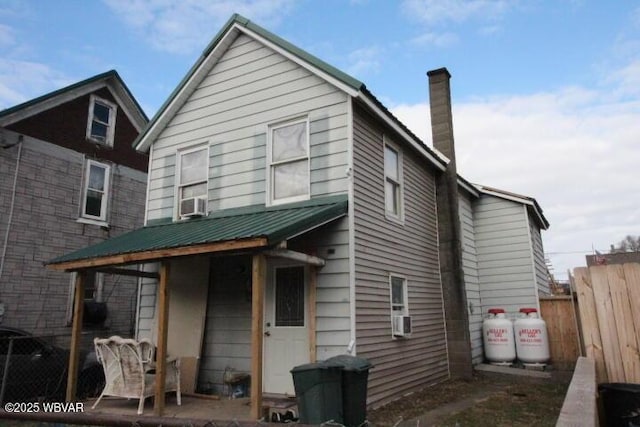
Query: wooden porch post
x=313 y=284
x=161 y=351
x=76 y=332
x=259 y=274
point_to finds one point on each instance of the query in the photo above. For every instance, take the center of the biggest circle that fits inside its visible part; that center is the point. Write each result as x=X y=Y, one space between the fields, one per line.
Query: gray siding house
x=504 y=262
x=290 y=217
x=69 y=178
x=249 y=89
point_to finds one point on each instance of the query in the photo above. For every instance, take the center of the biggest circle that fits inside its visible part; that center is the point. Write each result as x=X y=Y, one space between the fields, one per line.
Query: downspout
x=351 y=347
x=13 y=199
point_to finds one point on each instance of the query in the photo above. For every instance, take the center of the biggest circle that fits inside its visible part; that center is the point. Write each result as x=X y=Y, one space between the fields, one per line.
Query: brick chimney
x=449 y=232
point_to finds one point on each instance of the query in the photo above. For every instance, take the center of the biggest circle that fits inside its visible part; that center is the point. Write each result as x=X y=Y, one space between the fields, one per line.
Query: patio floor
x=196 y=410
x=203 y=408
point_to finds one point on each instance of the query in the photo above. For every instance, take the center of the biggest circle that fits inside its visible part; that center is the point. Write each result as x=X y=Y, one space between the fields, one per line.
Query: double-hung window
x=193 y=167
x=288 y=155
x=95 y=191
x=102 y=121
x=393 y=181
x=398 y=290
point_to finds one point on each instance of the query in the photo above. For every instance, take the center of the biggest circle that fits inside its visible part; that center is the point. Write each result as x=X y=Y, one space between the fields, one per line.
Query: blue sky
x=546 y=94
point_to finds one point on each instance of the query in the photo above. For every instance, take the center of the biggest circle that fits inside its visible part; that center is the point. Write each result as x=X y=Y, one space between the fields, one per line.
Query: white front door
x=286 y=340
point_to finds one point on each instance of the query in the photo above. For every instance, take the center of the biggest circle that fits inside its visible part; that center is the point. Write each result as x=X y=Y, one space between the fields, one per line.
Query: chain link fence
x=33 y=369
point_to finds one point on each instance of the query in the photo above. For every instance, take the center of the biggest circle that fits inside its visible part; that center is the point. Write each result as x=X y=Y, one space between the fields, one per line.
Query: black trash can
x=621 y=403
x=318 y=392
x=355 y=374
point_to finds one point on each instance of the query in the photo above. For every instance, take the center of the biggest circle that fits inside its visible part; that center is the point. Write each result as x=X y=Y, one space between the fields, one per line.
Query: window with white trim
x=95 y=191
x=101 y=123
x=288 y=156
x=393 y=181
x=399 y=296
x=193 y=171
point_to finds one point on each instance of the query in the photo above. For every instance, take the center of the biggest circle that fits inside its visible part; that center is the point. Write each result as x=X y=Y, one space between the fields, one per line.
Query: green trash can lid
x=316 y=366
x=350 y=363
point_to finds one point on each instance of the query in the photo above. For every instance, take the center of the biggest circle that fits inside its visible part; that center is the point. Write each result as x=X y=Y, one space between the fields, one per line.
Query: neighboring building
x=69 y=178
x=291 y=217
x=612 y=258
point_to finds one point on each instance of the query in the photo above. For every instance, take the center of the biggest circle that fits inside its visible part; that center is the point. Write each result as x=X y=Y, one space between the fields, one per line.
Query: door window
x=289 y=298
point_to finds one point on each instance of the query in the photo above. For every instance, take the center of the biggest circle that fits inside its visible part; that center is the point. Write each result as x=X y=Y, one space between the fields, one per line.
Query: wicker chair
x=129 y=369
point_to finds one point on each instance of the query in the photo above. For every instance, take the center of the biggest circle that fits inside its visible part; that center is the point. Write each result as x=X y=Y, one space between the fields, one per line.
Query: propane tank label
x=530 y=336
x=497 y=335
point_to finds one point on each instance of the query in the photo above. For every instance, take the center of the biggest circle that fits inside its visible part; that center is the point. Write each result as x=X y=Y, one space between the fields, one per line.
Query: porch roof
x=230 y=229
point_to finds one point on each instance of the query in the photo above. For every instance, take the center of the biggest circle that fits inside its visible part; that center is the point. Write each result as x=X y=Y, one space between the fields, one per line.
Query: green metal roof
x=275 y=224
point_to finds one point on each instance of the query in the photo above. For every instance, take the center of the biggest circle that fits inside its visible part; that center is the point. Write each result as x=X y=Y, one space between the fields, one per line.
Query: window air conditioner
x=401 y=326
x=193 y=206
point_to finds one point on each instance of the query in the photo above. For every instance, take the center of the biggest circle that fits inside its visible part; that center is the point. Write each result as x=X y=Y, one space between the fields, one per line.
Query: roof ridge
x=57 y=92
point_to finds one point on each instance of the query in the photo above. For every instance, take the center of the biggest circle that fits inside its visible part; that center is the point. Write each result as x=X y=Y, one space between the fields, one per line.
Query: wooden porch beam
x=161 y=351
x=76 y=332
x=258 y=282
x=128 y=272
x=296 y=256
x=158 y=254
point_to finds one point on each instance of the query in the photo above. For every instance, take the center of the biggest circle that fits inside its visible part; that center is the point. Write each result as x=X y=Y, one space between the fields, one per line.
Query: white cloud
x=438 y=39
x=432 y=12
x=23 y=80
x=365 y=61
x=575 y=150
x=626 y=79
x=188 y=25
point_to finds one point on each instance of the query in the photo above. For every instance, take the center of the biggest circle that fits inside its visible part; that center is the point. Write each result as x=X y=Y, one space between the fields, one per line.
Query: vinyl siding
x=249 y=88
x=227 y=338
x=410 y=250
x=505 y=269
x=542 y=278
x=333 y=317
x=470 y=268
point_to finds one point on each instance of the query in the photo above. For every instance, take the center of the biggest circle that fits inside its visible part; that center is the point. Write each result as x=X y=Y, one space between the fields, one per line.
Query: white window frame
x=405 y=296
x=271 y=200
x=111 y=125
x=178 y=172
x=104 y=208
x=97 y=296
x=394 y=216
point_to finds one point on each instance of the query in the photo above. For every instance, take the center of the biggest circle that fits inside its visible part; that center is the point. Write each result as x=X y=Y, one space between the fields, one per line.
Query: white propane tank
x=532 y=342
x=497 y=331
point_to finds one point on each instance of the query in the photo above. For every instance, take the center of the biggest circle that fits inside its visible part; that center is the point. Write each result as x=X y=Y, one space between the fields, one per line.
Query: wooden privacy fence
x=609 y=306
x=559 y=313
